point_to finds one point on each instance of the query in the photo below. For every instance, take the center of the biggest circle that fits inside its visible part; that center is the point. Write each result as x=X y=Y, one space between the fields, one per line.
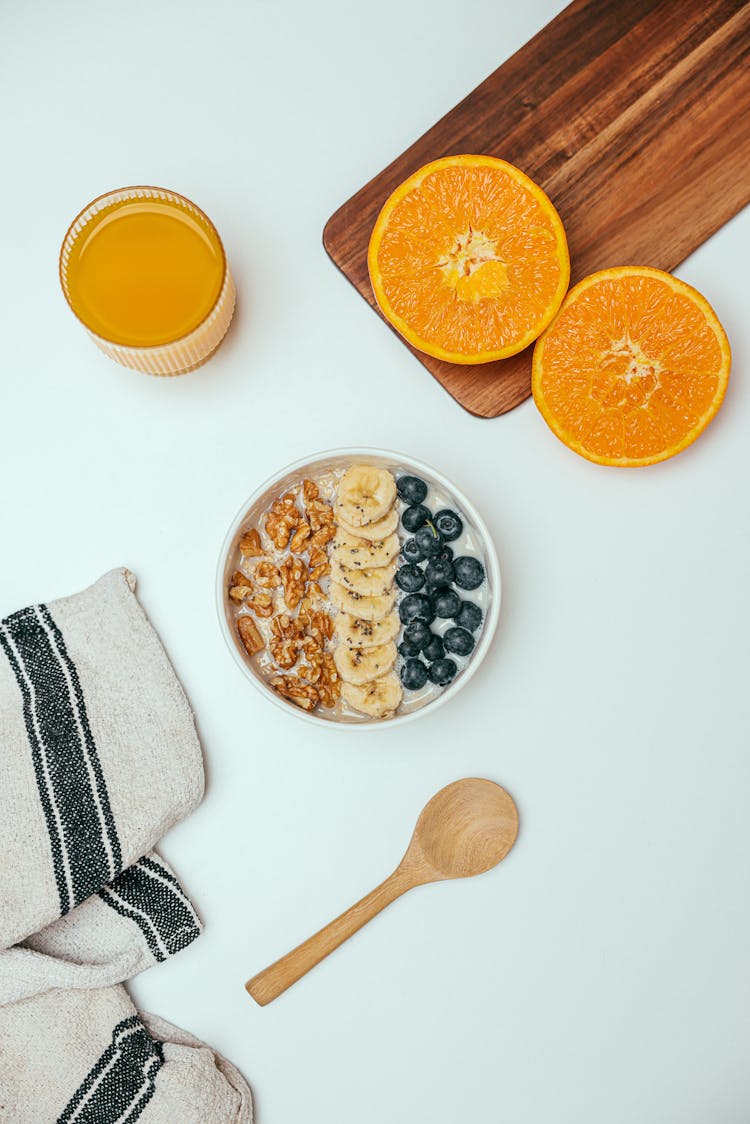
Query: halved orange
x=633 y=367
x=468 y=259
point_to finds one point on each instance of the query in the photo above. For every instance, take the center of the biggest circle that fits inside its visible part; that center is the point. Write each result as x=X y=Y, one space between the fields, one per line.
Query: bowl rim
x=490 y=557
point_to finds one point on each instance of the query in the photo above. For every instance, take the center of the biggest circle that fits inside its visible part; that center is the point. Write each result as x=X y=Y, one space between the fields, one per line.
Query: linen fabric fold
x=88 y=1057
x=138 y=920
x=100 y=757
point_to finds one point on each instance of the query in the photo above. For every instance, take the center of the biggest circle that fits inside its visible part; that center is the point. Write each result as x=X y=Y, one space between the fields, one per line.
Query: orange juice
x=143 y=272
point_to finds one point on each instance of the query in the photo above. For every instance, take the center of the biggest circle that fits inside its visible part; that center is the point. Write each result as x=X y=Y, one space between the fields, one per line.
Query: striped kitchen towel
x=99 y=759
x=100 y=755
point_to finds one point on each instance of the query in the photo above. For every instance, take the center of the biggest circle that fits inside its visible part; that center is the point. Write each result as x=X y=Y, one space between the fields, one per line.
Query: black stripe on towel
x=83 y=838
x=53 y=828
x=122 y=1082
x=151 y=896
x=93 y=753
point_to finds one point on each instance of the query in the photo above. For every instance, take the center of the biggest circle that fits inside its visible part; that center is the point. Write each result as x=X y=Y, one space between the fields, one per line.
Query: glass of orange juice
x=145 y=272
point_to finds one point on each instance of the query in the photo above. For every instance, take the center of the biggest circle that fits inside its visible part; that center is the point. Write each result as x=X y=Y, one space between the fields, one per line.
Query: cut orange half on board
x=468 y=259
x=633 y=367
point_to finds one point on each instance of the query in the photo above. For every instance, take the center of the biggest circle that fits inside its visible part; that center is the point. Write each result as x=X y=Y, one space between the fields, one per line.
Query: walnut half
x=282 y=519
x=250 y=544
x=285 y=641
x=261 y=603
x=266 y=575
x=240 y=586
x=299 y=539
x=304 y=695
x=329 y=684
x=294 y=574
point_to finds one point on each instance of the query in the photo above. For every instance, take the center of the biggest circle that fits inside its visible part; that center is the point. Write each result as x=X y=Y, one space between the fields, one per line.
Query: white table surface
x=601 y=973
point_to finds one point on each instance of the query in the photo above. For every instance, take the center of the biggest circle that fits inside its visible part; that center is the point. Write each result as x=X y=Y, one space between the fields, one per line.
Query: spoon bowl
x=465 y=829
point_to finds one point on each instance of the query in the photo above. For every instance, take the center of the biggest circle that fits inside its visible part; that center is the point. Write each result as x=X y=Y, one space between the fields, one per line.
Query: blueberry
x=428 y=541
x=449 y=524
x=408 y=649
x=439 y=573
x=441 y=672
x=469 y=616
x=410 y=579
x=460 y=641
x=469 y=572
x=411 y=489
x=411 y=551
x=446 y=602
x=416 y=605
x=417 y=634
x=446 y=554
x=434 y=649
x=414 y=675
x=415 y=517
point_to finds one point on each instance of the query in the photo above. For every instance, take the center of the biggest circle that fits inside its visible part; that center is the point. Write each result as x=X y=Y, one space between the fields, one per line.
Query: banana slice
x=362 y=665
x=359 y=605
x=358 y=633
x=365 y=494
x=357 y=554
x=372 y=583
x=376 y=699
x=373 y=532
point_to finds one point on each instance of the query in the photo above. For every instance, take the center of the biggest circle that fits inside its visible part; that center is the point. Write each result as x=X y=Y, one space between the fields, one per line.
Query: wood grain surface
x=635 y=119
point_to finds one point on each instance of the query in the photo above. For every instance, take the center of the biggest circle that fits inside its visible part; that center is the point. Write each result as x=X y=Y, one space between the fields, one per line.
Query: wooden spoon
x=467 y=828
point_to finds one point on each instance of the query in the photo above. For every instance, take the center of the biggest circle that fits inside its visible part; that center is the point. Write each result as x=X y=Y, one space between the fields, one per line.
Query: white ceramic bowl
x=257 y=504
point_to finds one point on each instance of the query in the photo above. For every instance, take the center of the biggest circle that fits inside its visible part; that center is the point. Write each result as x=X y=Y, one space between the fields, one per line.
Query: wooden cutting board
x=635 y=119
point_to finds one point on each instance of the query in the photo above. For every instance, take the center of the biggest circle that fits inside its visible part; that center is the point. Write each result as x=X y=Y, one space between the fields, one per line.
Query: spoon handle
x=272 y=981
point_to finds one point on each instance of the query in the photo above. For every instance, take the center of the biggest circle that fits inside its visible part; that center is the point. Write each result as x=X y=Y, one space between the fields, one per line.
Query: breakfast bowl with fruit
x=358 y=587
